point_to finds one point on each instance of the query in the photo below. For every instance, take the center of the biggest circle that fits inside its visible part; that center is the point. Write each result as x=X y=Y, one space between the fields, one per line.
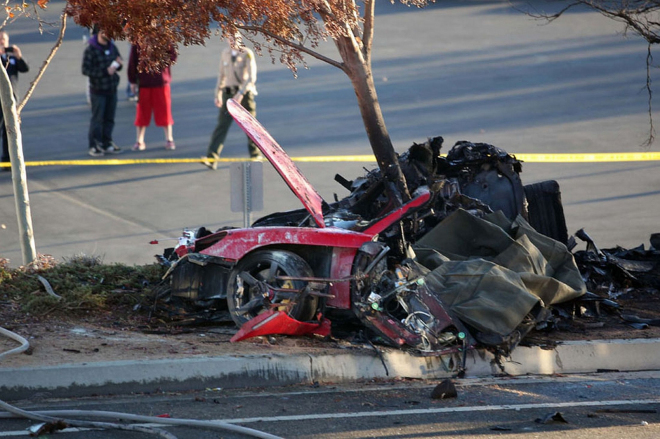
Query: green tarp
x=491 y=272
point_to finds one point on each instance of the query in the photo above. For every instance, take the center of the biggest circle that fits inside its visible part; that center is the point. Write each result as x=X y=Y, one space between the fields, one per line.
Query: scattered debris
x=446 y=389
x=46 y=428
x=74 y=351
x=613 y=272
x=626 y=411
x=551 y=417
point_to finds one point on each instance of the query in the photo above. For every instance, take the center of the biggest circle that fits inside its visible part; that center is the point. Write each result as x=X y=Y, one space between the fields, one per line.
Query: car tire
x=264 y=265
x=545 y=211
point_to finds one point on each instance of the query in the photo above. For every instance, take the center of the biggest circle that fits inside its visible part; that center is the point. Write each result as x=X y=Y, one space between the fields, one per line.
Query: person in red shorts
x=153 y=97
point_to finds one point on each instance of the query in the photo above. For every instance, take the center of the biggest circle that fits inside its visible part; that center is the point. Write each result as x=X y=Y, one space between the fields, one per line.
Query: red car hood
x=280 y=160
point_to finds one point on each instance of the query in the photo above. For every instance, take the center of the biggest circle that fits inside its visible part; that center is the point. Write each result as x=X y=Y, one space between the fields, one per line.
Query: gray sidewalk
x=278 y=369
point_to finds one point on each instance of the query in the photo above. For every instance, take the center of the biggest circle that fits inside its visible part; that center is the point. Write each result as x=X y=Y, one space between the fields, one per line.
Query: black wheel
x=247 y=297
x=545 y=211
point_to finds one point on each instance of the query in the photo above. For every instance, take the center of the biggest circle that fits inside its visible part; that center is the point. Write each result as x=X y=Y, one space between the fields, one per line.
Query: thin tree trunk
x=359 y=71
x=19 y=177
x=15 y=144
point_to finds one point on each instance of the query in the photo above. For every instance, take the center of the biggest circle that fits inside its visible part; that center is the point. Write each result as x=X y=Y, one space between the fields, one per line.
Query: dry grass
x=85 y=286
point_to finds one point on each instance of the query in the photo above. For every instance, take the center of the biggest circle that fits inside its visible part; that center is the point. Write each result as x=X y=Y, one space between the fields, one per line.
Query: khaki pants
x=225 y=120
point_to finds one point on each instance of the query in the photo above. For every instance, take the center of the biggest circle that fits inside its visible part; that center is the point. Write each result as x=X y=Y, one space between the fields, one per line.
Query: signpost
x=247 y=193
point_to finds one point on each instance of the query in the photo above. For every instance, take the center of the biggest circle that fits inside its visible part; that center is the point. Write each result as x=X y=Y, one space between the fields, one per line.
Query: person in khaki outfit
x=236 y=79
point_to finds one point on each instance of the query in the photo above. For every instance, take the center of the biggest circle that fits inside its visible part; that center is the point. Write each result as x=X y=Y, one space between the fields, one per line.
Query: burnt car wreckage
x=473 y=259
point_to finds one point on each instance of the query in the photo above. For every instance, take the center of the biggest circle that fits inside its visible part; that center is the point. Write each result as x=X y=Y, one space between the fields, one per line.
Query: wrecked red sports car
x=357 y=260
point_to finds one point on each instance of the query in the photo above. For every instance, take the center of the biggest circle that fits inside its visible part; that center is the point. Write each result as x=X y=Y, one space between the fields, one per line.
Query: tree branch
x=548 y=17
x=368 y=36
x=42 y=70
x=649 y=61
x=355 y=43
x=296 y=46
x=356 y=30
x=327 y=9
x=637 y=16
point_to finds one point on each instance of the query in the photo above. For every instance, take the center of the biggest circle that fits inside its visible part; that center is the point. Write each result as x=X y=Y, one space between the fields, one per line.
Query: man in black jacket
x=12 y=58
x=101 y=62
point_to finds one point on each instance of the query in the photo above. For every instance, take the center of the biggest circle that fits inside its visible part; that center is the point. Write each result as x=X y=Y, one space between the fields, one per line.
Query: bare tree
x=11 y=112
x=639 y=17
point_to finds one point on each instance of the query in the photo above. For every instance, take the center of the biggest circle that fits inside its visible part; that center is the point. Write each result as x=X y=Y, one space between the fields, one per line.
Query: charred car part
x=612 y=276
x=353 y=257
x=474 y=176
x=398 y=307
x=611 y=273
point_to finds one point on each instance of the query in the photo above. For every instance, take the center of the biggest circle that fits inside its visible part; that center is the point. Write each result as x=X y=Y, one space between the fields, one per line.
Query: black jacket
x=96 y=60
x=13 y=66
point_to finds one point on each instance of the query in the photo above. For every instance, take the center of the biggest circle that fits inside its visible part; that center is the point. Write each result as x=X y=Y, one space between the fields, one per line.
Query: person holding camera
x=12 y=58
x=101 y=62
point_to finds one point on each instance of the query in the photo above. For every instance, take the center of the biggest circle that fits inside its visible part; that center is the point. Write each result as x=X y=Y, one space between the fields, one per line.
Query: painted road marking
x=311 y=417
x=440 y=410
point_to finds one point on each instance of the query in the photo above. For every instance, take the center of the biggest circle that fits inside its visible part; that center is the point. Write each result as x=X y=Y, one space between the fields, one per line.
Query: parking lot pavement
x=571 y=86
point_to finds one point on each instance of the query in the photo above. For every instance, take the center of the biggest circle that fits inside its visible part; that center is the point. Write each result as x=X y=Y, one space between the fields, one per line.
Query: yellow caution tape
x=530 y=158
x=594 y=157
x=111 y=162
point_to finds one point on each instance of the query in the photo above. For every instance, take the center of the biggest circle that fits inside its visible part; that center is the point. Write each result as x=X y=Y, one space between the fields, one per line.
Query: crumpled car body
x=352 y=260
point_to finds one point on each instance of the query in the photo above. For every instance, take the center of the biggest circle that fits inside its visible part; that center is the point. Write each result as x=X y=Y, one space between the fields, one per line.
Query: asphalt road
x=478 y=71
x=608 y=406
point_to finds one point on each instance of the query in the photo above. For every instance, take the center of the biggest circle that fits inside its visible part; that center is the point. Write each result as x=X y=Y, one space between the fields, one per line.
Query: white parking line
x=440 y=410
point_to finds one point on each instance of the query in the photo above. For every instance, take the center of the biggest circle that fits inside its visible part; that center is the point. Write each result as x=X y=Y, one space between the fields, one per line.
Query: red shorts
x=158 y=101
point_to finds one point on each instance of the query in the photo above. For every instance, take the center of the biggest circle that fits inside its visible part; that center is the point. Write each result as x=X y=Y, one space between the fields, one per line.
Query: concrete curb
x=123 y=377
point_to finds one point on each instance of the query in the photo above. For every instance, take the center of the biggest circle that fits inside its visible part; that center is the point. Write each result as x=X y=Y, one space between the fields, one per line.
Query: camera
x=9 y=49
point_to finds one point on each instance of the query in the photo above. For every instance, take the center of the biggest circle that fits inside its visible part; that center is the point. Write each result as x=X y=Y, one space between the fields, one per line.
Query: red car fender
x=341 y=268
x=233 y=244
x=279 y=322
x=236 y=243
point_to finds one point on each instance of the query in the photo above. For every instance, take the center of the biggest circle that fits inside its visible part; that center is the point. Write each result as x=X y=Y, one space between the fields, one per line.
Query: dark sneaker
x=96 y=152
x=112 y=149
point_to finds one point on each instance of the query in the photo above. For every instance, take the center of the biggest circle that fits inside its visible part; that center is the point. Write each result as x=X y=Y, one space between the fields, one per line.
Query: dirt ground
x=129 y=335
x=64 y=342
x=99 y=338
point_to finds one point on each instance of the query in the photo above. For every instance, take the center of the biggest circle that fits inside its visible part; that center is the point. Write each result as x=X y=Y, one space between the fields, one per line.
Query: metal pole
x=247 y=194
